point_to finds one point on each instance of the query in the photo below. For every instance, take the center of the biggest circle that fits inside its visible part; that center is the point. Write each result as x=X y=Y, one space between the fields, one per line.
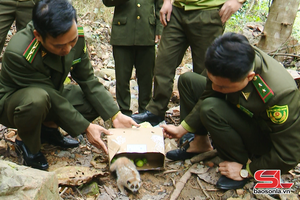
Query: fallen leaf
x=77 y=175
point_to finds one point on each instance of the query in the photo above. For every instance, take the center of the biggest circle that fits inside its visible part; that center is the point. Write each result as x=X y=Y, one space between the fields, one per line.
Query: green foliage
x=296 y=30
x=251 y=11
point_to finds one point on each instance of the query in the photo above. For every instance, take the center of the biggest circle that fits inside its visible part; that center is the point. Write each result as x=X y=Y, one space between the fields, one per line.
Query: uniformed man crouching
x=249 y=104
x=33 y=98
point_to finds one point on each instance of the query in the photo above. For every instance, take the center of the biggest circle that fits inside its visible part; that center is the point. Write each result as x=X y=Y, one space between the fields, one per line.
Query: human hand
x=93 y=134
x=123 y=121
x=165 y=10
x=231 y=170
x=171 y=131
x=228 y=9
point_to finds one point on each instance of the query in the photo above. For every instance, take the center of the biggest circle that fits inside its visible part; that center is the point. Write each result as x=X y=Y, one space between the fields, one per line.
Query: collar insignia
x=246 y=95
x=43 y=53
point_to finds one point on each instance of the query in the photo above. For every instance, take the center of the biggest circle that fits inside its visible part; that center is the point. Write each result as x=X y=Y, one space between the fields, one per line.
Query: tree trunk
x=279 y=24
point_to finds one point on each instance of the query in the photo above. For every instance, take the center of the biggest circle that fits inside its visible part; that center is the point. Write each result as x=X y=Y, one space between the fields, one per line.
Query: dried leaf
x=76 y=175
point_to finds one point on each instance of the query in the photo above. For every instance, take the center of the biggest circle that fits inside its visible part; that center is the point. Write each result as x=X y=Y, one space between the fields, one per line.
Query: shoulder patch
x=80 y=31
x=32 y=50
x=262 y=88
x=278 y=114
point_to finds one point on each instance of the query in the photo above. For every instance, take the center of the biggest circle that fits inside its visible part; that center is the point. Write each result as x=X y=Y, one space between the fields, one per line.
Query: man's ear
x=250 y=75
x=37 y=35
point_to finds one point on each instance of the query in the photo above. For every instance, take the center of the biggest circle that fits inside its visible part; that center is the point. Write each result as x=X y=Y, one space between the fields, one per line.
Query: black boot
x=54 y=137
x=37 y=160
x=147 y=117
x=228 y=184
x=181 y=153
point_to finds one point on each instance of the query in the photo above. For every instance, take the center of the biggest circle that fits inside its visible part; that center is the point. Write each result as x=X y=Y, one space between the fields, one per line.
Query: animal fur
x=127 y=175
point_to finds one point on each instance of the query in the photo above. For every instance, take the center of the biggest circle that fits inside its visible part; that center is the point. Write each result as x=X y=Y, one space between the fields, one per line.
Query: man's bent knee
x=210 y=107
x=35 y=102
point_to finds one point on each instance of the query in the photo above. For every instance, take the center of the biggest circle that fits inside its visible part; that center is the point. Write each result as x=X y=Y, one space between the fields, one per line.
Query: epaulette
x=32 y=50
x=80 y=31
x=262 y=88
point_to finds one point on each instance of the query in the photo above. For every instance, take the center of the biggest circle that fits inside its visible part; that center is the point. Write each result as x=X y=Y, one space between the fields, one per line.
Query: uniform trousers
x=11 y=10
x=197 y=29
x=27 y=108
x=234 y=134
x=142 y=58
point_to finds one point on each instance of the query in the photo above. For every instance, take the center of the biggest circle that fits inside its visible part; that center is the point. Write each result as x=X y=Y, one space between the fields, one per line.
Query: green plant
x=251 y=11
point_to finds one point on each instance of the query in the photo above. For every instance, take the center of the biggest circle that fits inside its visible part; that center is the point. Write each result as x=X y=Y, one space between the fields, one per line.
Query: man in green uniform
x=194 y=23
x=250 y=105
x=135 y=31
x=11 y=10
x=36 y=62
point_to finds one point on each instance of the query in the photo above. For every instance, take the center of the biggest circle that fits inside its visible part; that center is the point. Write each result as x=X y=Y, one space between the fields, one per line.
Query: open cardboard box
x=136 y=143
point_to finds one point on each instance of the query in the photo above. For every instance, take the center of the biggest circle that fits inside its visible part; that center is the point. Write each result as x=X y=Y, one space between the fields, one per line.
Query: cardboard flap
x=113 y=147
x=137 y=142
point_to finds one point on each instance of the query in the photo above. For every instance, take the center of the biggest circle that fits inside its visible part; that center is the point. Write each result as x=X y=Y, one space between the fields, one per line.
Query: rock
x=90 y=189
x=21 y=182
x=108 y=74
x=228 y=194
x=103 y=196
x=62 y=154
x=3 y=146
x=109 y=191
x=240 y=192
x=291 y=196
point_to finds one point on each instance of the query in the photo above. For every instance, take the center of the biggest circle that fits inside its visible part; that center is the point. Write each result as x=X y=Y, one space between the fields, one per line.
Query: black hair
x=53 y=17
x=230 y=56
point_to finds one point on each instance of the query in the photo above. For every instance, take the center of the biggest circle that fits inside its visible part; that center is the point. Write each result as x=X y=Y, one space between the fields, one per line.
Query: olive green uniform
x=134 y=27
x=195 y=24
x=261 y=122
x=10 y=10
x=32 y=89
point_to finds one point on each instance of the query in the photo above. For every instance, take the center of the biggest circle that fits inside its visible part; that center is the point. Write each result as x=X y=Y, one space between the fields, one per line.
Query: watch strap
x=248 y=169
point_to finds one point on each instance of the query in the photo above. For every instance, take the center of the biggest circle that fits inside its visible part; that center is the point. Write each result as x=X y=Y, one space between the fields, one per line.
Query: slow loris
x=127 y=175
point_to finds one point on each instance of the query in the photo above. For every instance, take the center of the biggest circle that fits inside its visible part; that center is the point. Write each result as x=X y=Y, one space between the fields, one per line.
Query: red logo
x=273 y=178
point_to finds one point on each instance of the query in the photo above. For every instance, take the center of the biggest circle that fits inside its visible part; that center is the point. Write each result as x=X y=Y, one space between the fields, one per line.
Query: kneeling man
x=33 y=97
x=250 y=106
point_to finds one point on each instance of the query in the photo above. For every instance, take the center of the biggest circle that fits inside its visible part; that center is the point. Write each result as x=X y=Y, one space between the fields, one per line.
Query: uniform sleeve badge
x=278 y=114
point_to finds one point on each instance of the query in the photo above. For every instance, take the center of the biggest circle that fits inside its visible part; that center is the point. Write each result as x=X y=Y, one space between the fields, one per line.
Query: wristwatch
x=244 y=173
x=241 y=1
